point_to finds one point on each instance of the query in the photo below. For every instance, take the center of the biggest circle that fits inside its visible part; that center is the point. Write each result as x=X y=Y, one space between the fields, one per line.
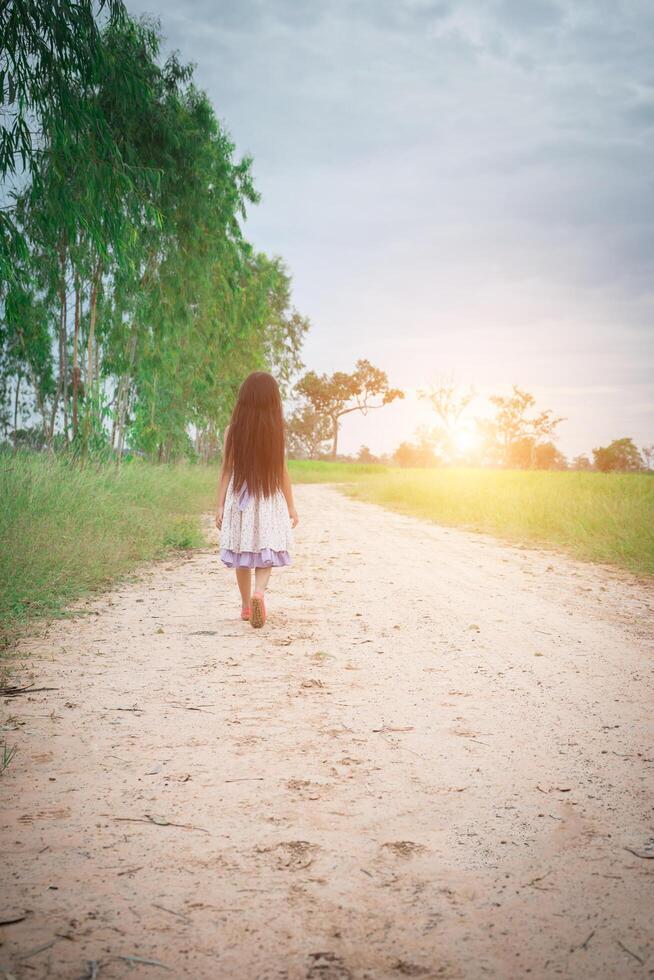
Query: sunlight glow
x=466 y=440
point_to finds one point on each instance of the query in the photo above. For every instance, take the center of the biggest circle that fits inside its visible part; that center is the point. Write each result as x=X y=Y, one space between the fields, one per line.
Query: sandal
x=258 y=613
x=245 y=614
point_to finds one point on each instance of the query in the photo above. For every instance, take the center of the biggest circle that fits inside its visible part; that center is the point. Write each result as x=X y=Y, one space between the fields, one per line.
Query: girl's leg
x=261 y=576
x=258 y=614
x=244 y=579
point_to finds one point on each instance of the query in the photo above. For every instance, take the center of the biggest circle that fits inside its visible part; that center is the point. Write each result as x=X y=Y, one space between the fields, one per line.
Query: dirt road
x=435 y=761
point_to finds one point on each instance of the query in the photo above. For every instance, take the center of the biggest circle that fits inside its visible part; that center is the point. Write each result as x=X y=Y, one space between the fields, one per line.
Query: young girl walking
x=255 y=511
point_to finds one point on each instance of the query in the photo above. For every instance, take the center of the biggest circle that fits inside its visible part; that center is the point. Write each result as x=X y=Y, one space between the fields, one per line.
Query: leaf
x=143 y=961
x=646 y=852
x=389 y=728
x=9 y=916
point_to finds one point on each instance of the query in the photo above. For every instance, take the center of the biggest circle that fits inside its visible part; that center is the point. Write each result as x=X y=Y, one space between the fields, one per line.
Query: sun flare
x=466 y=440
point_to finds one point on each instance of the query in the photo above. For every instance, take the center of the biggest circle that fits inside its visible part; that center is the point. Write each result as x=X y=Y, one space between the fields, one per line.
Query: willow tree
x=45 y=50
x=214 y=310
x=78 y=216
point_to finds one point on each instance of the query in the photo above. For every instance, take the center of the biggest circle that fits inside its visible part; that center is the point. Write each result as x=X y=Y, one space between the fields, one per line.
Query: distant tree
x=518 y=453
x=526 y=453
x=449 y=404
x=513 y=425
x=333 y=397
x=548 y=457
x=420 y=454
x=581 y=462
x=307 y=433
x=648 y=456
x=621 y=454
x=365 y=456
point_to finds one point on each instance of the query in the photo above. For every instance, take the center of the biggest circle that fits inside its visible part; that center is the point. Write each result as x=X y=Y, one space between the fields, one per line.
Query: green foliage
x=135 y=306
x=47 y=52
x=67 y=529
x=46 y=48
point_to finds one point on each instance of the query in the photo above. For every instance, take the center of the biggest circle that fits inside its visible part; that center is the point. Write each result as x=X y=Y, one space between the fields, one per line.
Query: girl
x=255 y=510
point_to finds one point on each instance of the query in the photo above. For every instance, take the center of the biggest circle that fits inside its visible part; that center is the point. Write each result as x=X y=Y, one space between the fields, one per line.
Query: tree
x=307 y=433
x=411 y=454
x=340 y=394
x=449 y=404
x=621 y=454
x=46 y=50
x=512 y=425
x=648 y=455
x=134 y=306
x=365 y=456
x=581 y=462
x=525 y=453
x=548 y=457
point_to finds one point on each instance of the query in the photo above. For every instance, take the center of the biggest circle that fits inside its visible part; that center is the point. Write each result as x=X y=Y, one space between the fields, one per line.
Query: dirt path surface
x=435 y=761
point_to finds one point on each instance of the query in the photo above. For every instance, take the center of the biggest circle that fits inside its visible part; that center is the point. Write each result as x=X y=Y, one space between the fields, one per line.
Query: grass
x=67 y=530
x=6 y=756
x=602 y=517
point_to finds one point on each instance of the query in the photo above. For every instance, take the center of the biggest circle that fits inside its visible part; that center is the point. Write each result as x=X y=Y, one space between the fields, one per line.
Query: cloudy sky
x=459 y=187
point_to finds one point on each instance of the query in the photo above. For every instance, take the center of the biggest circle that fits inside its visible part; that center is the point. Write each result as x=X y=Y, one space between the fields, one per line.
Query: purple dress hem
x=266 y=558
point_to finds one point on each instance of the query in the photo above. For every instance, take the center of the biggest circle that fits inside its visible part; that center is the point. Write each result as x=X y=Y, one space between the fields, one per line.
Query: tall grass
x=65 y=530
x=603 y=517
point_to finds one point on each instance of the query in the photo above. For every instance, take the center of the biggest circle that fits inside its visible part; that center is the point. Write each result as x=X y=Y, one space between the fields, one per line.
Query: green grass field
x=65 y=530
x=603 y=517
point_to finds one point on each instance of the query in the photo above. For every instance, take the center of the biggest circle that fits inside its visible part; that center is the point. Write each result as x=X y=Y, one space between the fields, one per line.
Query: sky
x=459 y=189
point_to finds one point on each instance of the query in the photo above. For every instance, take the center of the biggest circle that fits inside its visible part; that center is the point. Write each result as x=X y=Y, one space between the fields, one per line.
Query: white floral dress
x=256 y=531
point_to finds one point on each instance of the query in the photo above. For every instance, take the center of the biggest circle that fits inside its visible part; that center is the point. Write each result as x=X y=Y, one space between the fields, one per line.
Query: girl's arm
x=287 y=490
x=223 y=483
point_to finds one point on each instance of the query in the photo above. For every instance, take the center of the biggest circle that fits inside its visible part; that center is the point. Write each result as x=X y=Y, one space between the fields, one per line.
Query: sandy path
x=431 y=766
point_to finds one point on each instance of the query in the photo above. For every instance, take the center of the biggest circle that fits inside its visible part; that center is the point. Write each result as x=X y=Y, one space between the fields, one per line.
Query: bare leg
x=244 y=579
x=258 y=614
x=261 y=576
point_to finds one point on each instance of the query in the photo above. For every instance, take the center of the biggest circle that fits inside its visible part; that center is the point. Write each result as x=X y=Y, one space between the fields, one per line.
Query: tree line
x=516 y=436
x=131 y=304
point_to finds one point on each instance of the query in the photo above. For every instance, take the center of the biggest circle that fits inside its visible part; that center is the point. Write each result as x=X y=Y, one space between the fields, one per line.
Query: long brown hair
x=254 y=448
